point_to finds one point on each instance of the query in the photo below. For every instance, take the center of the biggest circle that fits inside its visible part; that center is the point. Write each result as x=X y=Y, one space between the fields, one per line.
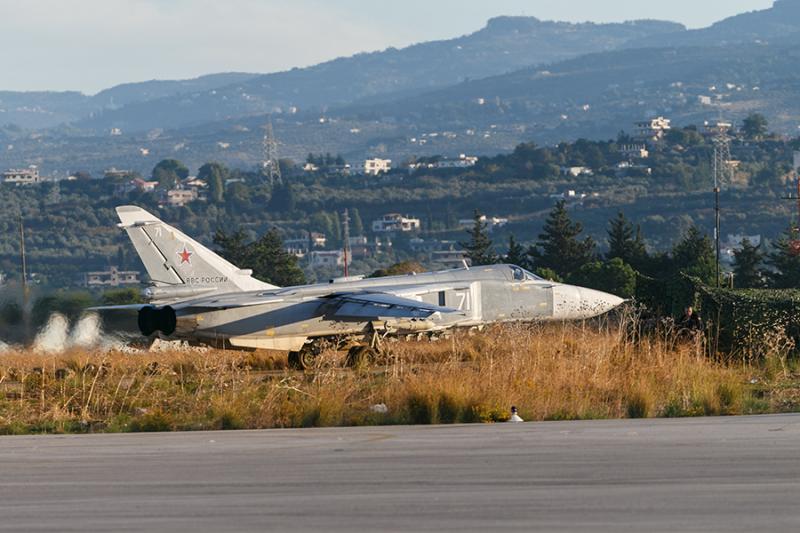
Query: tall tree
x=559 y=247
x=747 y=266
x=784 y=263
x=272 y=263
x=233 y=246
x=625 y=242
x=283 y=200
x=214 y=174
x=168 y=172
x=266 y=257
x=479 y=249
x=356 y=225
x=694 y=255
x=516 y=253
x=755 y=126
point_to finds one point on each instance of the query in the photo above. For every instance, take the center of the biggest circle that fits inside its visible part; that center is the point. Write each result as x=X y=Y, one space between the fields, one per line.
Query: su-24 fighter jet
x=198 y=296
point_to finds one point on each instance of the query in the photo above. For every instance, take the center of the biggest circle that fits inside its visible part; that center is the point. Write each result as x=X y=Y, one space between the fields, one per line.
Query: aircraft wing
x=375 y=305
x=128 y=307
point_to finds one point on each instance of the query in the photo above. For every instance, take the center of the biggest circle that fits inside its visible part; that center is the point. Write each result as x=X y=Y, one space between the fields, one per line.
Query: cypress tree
x=479 y=249
x=784 y=264
x=625 y=242
x=694 y=255
x=747 y=266
x=266 y=257
x=516 y=253
x=559 y=247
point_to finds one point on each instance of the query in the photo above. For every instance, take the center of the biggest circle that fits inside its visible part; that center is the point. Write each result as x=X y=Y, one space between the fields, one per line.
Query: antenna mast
x=270 y=166
x=722 y=167
x=346 y=235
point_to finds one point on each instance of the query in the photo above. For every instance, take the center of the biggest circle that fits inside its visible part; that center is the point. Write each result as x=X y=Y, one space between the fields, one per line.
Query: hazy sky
x=89 y=45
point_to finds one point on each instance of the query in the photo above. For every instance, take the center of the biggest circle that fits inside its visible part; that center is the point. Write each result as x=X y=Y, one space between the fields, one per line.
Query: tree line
x=562 y=254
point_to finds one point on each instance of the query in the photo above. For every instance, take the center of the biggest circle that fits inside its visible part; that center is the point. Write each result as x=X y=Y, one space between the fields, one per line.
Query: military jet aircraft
x=197 y=295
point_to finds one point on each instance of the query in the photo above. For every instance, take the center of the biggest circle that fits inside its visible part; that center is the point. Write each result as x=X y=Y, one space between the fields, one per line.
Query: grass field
x=551 y=372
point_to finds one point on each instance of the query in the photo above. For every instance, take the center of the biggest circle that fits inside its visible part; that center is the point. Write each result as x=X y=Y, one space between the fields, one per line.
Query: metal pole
x=717 y=229
x=25 y=293
x=346 y=224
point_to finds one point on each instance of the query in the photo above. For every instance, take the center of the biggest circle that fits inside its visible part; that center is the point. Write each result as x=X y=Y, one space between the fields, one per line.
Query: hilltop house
x=113 y=277
x=394 y=222
x=26 y=176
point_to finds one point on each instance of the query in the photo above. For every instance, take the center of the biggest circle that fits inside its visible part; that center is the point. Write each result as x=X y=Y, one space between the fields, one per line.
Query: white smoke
x=86 y=332
x=4 y=347
x=53 y=336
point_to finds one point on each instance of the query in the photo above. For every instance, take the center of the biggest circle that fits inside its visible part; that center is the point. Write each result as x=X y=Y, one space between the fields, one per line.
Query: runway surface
x=717 y=474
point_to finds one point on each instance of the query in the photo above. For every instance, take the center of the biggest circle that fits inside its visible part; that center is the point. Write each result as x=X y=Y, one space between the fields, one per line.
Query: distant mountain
x=780 y=21
x=504 y=45
x=45 y=109
x=42 y=109
x=597 y=95
x=128 y=93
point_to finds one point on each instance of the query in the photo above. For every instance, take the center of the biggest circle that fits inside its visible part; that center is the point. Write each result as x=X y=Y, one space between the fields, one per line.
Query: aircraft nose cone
x=575 y=303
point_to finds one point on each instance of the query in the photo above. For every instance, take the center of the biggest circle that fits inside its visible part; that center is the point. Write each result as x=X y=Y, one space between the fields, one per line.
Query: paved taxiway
x=718 y=474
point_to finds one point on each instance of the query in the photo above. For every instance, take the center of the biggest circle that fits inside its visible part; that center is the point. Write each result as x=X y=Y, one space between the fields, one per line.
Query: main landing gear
x=359 y=354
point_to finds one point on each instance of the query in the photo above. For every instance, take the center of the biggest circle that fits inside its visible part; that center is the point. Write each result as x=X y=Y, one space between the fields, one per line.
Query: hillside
x=46 y=109
x=767 y=25
x=505 y=44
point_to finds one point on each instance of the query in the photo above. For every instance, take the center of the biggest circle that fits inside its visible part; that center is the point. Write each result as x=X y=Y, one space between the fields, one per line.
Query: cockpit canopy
x=520 y=274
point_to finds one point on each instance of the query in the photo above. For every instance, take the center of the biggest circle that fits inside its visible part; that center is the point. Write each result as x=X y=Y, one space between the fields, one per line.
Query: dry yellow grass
x=559 y=371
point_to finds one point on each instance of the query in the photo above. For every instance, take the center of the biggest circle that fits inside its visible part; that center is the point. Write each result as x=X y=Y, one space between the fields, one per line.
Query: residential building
x=491 y=223
x=626 y=168
x=300 y=246
x=634 y=151
x=136 y=184
x=394 y=222
x=25 y=176
x=179 y=197
x=463 y=161
x=326 y=258
x=114 y=173
x=576 y=171
x=362 y=247
x=653 y=129
x=374 y=167
x=113 y=277
x=451 y=258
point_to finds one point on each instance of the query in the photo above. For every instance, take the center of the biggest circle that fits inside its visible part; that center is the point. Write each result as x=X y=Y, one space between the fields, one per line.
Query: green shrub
x=637 y=406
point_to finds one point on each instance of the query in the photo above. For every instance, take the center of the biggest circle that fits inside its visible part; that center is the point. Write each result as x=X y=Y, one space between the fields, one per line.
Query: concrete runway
x=703 y=474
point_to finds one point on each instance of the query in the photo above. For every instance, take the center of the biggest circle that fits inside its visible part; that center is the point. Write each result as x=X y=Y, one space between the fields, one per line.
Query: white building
x=181 y=197
x=576 y=171
x=491 y=223
x=653 y=129
x=327 y=258
x=374 y=167
x=463 y=161
x=26 y=176
x=394 y=222
x=635 y=151
x=451 y=258
x=113 y=277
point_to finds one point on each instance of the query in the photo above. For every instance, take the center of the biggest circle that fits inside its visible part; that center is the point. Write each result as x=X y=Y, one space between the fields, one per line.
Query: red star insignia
x=185 y=255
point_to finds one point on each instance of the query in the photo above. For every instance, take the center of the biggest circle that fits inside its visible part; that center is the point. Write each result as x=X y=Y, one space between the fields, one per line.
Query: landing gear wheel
x=305 y=359
x=360 y=356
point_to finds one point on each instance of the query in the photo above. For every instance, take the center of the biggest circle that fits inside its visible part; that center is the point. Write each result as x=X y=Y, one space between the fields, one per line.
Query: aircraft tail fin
x=173 y=259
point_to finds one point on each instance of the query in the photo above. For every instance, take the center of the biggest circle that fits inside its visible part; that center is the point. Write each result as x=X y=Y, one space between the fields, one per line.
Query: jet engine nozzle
x=155 y=319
